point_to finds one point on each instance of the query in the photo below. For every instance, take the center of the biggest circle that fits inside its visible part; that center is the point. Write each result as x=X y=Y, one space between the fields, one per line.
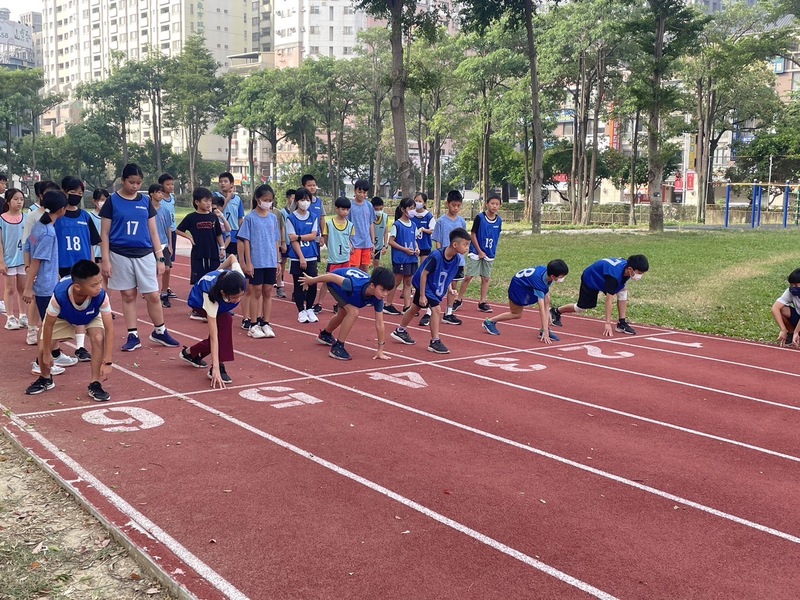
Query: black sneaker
x=246 y=324
x=195 y=361
x=391 y=310
x=336 y=309
x=40 y=385
x=402 y=336
x=484 y=307
x=451 y=320
x=425 y=321
x=457 y=304
x=165 y=301
x=171 y=294
x=97 y=392
x=438 y=347
x=555 y=317
x=326 y=338
x=82 y=354
x=623 y=327
x=317 y=308
x=338 y=352
x=222 y=373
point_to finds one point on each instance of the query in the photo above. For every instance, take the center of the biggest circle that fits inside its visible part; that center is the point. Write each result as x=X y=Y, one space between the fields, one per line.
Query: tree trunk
x=598 y=103
x=634 y=158
x=251 y=160
x=526 y=169
x=329 y=137
x=537 y=174
x=655 y=166
x=572 y=193
x=124 y=139
x=399 y=81
x=156 y=106
x=487 y=135
x=33 y=146
x=437 y=173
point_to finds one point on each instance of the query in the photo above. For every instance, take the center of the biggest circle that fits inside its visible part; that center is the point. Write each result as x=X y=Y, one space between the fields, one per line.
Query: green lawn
x=722 y=282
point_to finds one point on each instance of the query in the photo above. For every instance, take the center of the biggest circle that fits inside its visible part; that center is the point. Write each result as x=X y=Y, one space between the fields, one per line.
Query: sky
x=17 y=7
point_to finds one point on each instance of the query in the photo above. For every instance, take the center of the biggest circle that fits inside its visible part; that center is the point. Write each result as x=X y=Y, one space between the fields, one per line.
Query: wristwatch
x=161 y=259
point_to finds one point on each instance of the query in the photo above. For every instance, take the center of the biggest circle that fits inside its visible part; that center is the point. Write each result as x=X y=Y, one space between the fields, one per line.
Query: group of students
x=60 y=259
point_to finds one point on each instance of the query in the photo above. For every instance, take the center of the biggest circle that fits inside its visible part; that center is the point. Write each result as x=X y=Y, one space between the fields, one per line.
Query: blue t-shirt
x=354 y=288
x=423 y=221
x=362 y=216
x=606 y=275
x=168 y=204
x=441 y=273
x=441 y=232
x=76 y=235
x=12 y=241
x=130 y=234
x=297 y=226
x=42 y=245
x=204 y=286
x=529 y=286
x=164 y=222
x=405 y=235
x=488 y=234
x=264 y=235
x=232 y=213
x=68 y=311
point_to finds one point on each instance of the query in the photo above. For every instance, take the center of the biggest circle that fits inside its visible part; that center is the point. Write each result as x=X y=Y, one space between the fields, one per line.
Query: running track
x=662 y=465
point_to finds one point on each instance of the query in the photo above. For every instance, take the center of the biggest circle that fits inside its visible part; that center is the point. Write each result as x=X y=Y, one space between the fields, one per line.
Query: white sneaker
x=302 y=316
x=256 y=332
x=2 y=306
x=54 y=369
x=65 y=361
x=23 y=320
x=312 y=316
x=268 y=333
x=33 y=336
x=12 y=323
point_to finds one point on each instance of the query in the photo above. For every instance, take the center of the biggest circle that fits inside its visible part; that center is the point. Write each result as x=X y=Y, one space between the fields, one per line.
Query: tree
x=152 y=73
x=193 y=93
x=18 y=92
x=228 y=117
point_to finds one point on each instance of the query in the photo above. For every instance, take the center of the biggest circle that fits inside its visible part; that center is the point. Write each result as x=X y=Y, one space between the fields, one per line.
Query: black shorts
x=794 y=317
x=378 y=254
x=432 y=302
x=265 y=276
x=64 y=271
x=98 y=259
x=423 y=253
x=587 y=297
x=231 y=248
x=201 y=266
x=167 y=258
x=404 y=269
x=311 y=268
x=459 y=274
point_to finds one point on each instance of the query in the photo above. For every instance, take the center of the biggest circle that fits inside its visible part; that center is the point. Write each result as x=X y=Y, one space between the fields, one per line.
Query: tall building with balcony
x=16 y=43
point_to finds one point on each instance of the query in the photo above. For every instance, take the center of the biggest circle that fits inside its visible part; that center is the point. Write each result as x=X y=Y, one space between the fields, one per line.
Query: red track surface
x=662 y=465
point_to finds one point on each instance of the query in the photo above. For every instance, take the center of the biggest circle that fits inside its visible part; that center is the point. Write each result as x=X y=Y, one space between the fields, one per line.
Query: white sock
x=429 y=312
x=80 y=340
x=449 y=310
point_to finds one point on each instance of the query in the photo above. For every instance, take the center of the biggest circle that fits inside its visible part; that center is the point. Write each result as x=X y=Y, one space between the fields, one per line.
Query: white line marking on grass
x=206 y=572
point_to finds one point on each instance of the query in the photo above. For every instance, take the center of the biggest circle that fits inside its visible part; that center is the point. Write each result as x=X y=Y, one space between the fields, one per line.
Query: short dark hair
x=156 y=187
x=229 y=283
x=459 y=233
x=557 y=268
x=165 y=177
x=306 y=178
x=638 y=262
x=84 y=269
x=376 y=201
x=342 y=202
x=301 y=194
x=200 y=193
x=71 y=183
x=382 y=276
x=99 y=193
x=52 y=202
x=3 y=177
x=226 y=175
x=361 y=184
x=217 y=200
x=290 y=193
x=40 y=187
x=794 y=276
x=131 y=170
x=494 y=196
x=454 y=196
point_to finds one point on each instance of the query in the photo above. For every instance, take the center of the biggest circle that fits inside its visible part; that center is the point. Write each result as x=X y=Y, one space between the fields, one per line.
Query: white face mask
x=304 y=204
x=265 y=205
x=420 y=205
x=100 y=204
x=560 y=279
x=636 y=276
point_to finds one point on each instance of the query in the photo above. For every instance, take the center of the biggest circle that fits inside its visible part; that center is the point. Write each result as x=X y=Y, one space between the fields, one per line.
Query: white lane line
x=201 y=568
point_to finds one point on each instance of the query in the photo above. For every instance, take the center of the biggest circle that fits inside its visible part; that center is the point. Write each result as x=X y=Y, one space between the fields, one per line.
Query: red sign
x=690 y=180
x=678 y=183
x=561 y=178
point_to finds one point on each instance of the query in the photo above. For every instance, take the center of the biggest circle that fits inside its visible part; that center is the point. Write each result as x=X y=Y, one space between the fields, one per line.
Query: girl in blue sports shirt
x=403 y=242
x=12 y=263
x=302 y=230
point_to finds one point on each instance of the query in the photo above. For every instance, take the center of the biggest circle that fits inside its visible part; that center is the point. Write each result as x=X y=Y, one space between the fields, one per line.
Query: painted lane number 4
x=283 y=401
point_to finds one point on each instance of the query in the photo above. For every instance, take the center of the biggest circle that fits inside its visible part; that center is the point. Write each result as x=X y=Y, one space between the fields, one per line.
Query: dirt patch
x=51 y=548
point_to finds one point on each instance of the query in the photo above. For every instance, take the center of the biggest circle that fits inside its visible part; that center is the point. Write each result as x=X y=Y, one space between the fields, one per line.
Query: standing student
x=164 y=229
x=302 y=229
x=337 y=234
x=317 y=207
x=424 y=222
x=282 y=215
x=430 y=284
x=486 y=230
x=41 y=249
x=381 y=231
x=215 y=296
x=403 y=242
x=12 y=261
x=232 y=208
x=362 y=215
x=441 y=237
x=353 y=289
x=79 y=301
x=203 y=230
x=168 y=203
x=132 y=257
x=609 y=276
x=259 y=242
x=528 y=287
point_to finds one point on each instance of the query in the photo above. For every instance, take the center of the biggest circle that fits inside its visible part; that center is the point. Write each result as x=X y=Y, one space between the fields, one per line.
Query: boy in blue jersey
x=168 y=203
x=441 y=237
x=232 y=208
x=79 y=301
x=431 y=282
x=610 y=276
x=528 y=287
x=353 y=289
x=486 y=230
x=317 y=207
